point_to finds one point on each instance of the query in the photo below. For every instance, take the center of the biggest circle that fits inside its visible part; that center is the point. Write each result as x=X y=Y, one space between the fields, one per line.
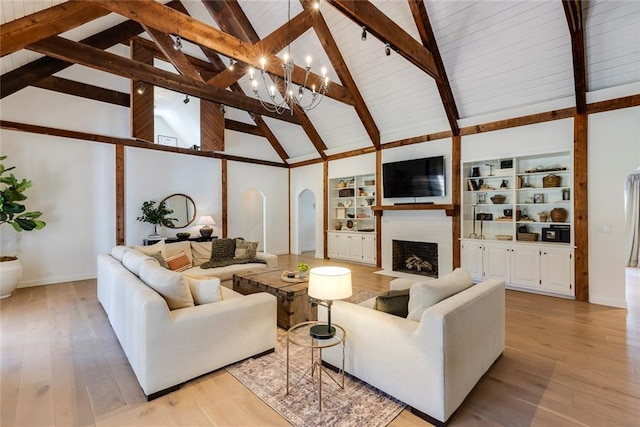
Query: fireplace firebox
x=415 y=257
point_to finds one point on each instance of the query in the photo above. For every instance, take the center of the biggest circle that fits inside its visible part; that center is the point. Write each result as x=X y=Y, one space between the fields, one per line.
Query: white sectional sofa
x=430 y=364
x=167 y=347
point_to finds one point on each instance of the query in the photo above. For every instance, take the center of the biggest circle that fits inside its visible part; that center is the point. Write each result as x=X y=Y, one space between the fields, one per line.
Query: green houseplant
x=303 y=268
x=156 y=215
x=14 y=213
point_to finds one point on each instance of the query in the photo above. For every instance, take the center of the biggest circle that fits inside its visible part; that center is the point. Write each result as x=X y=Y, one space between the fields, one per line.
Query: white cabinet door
x=556 y=266
x=355 y=247
x=525 y=266
x=332 y=245
x=343 y=245
x=369 y=249
x=471 y=255
x=497 y=261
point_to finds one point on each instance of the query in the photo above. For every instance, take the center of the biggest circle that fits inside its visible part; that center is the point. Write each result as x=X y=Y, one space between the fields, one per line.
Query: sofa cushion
x=178 y=262
x=176 y=247
x=156 y=247
x=423 y=295
x=158 y=257
x=132 y=259
x=118 y=251
x=394 y=302
x=201 y=253
x=167 y=283
x=204 y=290
x=245 y=249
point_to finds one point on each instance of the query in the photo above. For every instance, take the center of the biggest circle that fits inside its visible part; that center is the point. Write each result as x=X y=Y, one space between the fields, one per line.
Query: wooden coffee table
x=293 y=302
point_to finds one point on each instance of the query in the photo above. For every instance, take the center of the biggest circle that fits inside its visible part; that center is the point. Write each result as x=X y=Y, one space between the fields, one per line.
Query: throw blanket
x=226 y=252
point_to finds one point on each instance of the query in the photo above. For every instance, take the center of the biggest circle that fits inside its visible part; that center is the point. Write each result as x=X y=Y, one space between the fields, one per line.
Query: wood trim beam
x=531 y=119
x=120 y=194
x=142 y=120
x=340 y=67
x=614 y=104
x=95 y=58
x=418 y=139
x=242 y=127
x=177 y=58
x=421 y=18
x=357 y=152
x=581 y=205
x=364 y=13
x=17 y=34
x=306 y=163
x=84 y=90
x=573 y=12
x=456 y=162
x=264 y=128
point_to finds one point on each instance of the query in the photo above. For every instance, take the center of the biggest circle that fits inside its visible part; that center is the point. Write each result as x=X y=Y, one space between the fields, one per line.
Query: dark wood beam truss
x=17 y=34
x=421 y=18
x=573 y=12
x=84 y=90
x=364 y=13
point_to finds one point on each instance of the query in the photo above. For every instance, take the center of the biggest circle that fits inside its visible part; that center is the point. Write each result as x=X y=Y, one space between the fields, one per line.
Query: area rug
x=359 y=404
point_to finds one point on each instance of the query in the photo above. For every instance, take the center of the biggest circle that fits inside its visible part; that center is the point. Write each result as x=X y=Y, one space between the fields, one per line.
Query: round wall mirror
x=184 y=210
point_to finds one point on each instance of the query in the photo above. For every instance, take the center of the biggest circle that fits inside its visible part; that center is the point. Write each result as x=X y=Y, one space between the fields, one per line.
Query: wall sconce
x=186 y=99
x=222 y=109
x=141 y=89
x=387 y=49
x=177 y=45
x=363 y=37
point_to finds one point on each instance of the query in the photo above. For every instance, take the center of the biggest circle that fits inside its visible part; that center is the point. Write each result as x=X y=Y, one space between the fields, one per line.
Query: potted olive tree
x=13 y=212
x=156 y=215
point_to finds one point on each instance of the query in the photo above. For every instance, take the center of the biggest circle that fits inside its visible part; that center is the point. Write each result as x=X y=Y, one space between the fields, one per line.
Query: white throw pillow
x=201 y=252
x=151 y=249
x=118 y=251
x=204 y=290
x=133 y=258
x=175 y=248
x=423 y=295
x=168 y=284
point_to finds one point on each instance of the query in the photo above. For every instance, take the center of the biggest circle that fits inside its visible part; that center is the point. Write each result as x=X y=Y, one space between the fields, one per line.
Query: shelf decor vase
x=558 y=215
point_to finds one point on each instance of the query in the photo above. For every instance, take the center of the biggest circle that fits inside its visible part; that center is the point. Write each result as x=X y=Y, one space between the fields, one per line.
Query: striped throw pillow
x=179 y=262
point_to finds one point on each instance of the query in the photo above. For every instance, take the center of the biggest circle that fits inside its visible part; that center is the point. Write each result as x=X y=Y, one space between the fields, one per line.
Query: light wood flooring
x=566 y=364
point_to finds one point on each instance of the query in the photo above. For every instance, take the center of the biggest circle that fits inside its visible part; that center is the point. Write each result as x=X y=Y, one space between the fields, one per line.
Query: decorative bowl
x=183 y=235
x=498 y=199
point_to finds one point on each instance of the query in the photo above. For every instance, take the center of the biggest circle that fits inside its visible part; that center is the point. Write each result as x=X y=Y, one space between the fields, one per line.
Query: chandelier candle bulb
x=308 y=61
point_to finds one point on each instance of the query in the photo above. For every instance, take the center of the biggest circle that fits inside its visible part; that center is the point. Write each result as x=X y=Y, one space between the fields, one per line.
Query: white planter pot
x=10 y=273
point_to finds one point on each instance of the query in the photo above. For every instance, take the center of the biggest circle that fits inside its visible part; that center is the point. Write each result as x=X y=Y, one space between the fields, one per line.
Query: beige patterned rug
x=359 y=404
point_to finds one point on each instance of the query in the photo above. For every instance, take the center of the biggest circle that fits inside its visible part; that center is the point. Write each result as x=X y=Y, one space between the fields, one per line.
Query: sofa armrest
x=401 y=284
x=270 y=259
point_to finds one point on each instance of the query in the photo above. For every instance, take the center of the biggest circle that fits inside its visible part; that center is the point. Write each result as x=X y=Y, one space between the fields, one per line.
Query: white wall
x=307 y=178
x=614 y=152
x=307 y=221
x=272 y=183
x=154 y=175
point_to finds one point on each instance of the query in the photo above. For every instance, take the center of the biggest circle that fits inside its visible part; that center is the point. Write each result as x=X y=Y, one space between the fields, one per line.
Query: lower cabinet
x=524 y=266
x=359 y=247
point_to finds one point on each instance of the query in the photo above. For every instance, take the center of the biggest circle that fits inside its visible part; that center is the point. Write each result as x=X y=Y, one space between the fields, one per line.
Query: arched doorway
x=253 y=218
x=306 y=221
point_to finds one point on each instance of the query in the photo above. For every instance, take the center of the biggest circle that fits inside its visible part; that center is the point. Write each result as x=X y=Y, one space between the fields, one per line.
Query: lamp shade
x=329 y=283
x=206 y=220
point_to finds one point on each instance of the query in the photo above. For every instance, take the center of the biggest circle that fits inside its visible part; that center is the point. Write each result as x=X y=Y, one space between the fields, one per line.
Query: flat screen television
x=414 y=178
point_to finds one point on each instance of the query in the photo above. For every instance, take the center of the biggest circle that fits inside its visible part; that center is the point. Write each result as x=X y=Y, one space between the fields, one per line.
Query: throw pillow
x=251 y=248
x=222 y=249
x=158 y=257
x=241 y=253
x=151 y=249
x=132 y=260
x=423 y=295
x=204 y=290
x=118 y=251
x=178 y=262
x=168 y=284
x=200 y=252
x=393 y=302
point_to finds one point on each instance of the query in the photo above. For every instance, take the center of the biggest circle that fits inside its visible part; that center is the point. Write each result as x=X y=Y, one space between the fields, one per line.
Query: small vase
x=302 y=274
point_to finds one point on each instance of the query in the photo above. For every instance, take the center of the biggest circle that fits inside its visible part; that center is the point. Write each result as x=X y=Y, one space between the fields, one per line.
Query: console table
x=151 y=241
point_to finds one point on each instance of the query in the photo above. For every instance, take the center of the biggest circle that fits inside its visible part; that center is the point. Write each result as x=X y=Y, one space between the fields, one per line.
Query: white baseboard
x=608 y=302
x=54 y=280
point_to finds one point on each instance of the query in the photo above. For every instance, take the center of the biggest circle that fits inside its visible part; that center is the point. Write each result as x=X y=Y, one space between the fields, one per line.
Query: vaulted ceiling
x=451 y=63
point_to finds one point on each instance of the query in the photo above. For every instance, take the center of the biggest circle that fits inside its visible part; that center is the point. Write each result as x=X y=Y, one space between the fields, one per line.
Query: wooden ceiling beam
x=242 y=127
x=339 y=65
x=573 y=12
x=88 y=56
x=178 y=59
x=421 y=18
x=84 y=90
x=364 y=13
x=17 y=34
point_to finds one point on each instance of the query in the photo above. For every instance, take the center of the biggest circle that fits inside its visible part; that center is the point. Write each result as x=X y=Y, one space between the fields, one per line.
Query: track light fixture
x=186 y=99
x=232 y=63
x=222 y=109
x=141 y=89
x=316 y=4
x=177 y=45
x=364 y=33
x=387 y=49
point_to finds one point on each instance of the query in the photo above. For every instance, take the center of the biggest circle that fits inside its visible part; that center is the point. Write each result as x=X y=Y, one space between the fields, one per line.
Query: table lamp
x=206 y=221
x=325 y=285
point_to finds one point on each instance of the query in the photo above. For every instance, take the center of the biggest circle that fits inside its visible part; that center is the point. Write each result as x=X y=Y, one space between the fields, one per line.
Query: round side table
x=300 y=335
